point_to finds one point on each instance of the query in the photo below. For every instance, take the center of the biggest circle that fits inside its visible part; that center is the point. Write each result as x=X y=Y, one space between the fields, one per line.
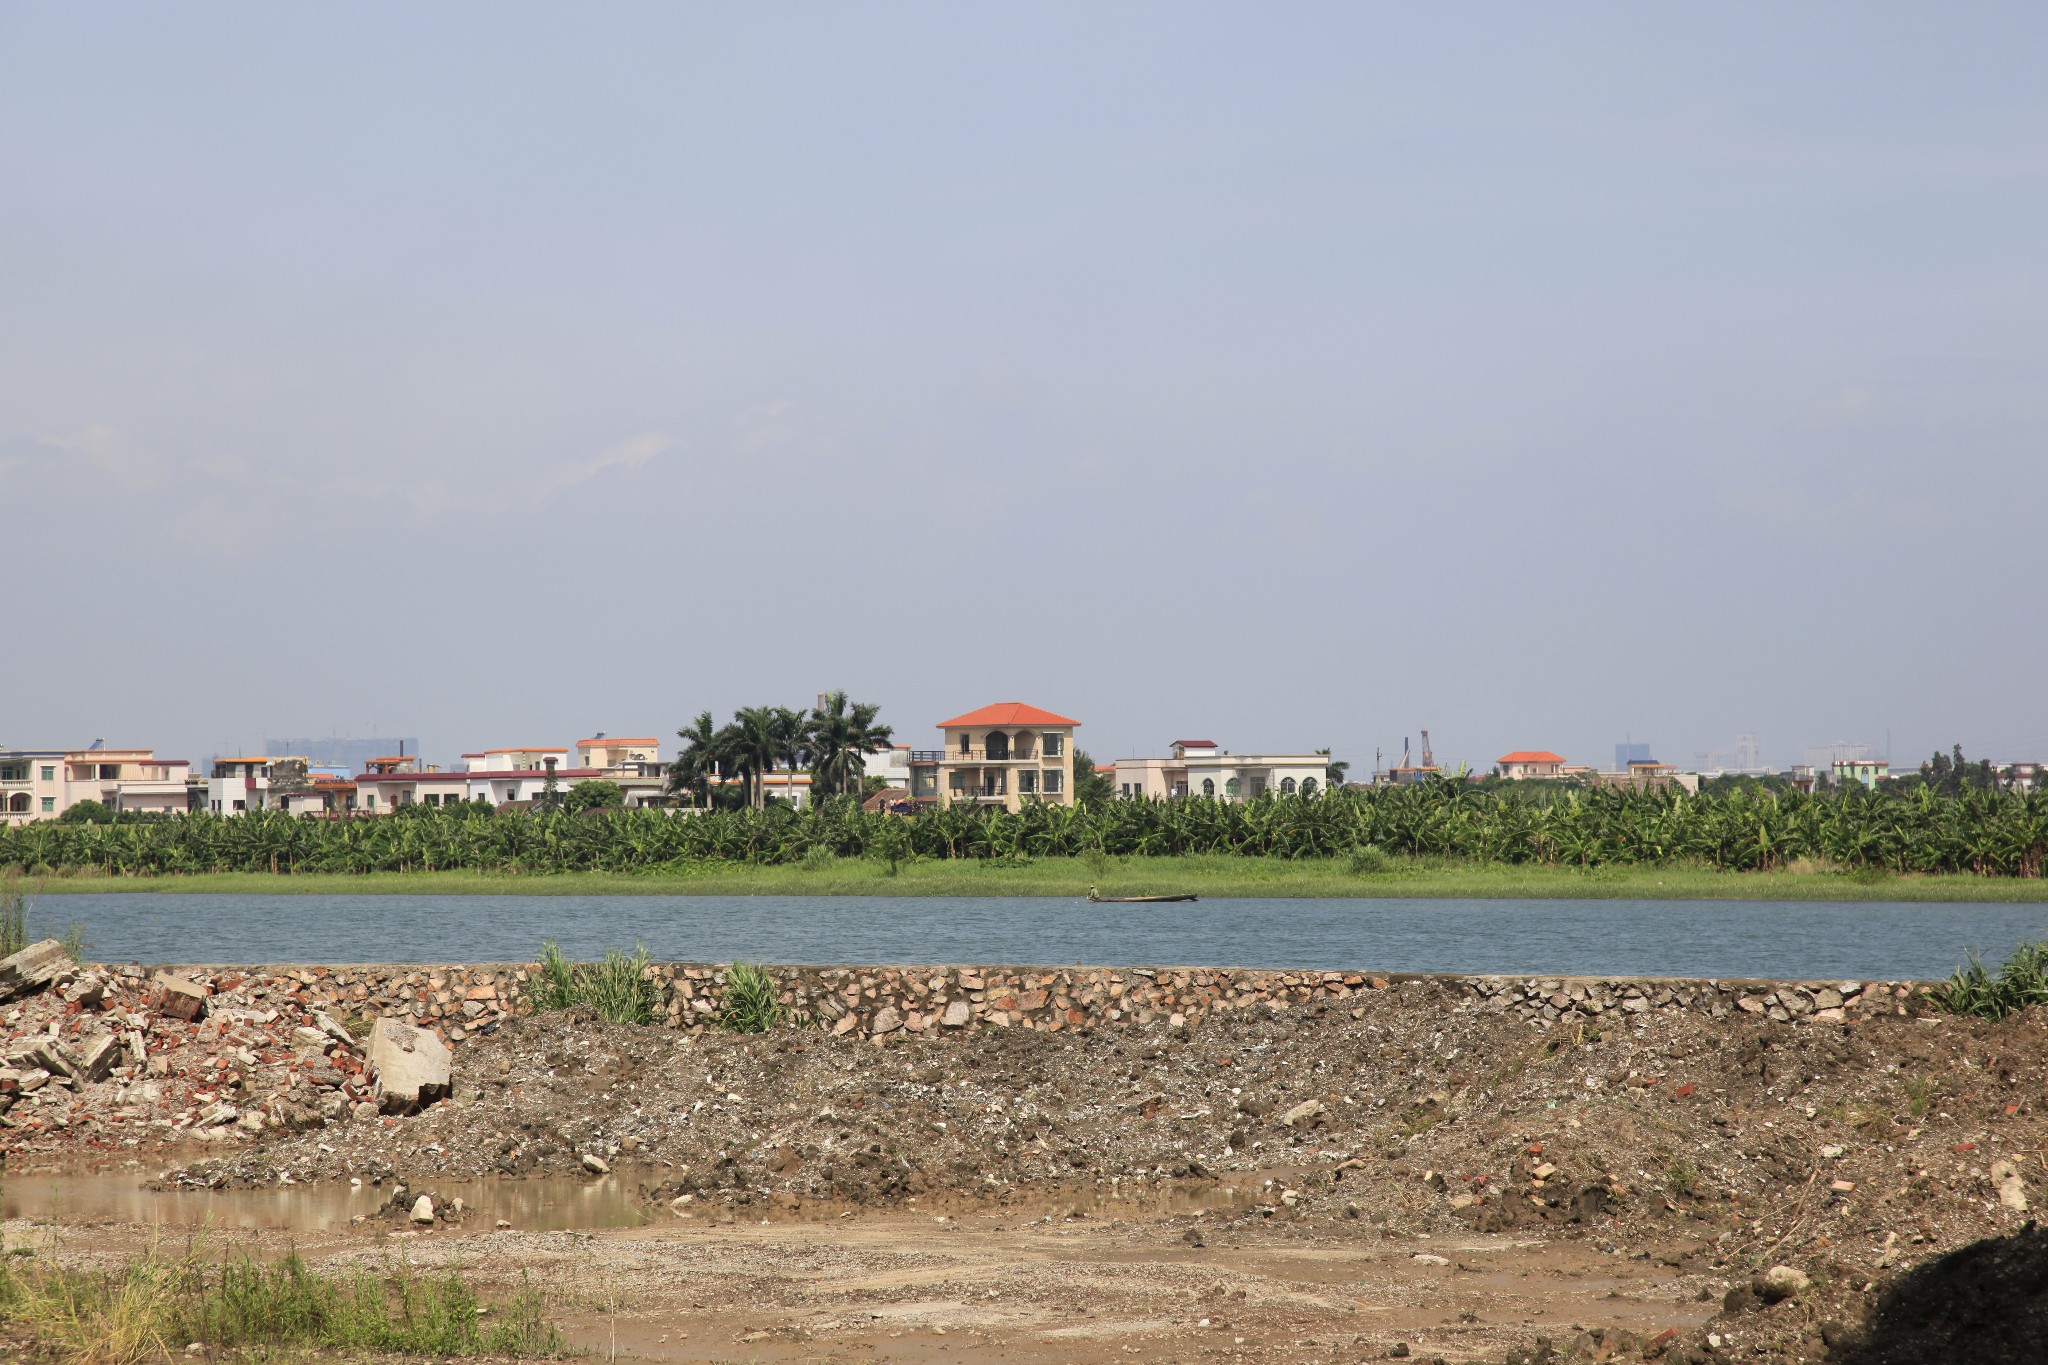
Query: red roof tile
x=1006 y=713
x=1530 y=756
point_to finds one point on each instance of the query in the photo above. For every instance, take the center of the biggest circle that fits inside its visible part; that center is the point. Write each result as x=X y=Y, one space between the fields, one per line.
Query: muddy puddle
x=533 y=1205
x=545 y=1205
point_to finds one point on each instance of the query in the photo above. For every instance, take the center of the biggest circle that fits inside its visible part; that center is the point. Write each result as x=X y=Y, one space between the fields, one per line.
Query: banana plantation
x=1989 y=834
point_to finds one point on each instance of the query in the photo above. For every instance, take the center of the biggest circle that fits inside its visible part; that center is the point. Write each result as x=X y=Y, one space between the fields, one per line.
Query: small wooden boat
x=1097 y=898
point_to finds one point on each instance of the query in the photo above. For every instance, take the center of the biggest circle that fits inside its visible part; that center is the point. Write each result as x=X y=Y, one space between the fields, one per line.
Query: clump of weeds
x=618 y=988
x=2022 y=981
x=152 y=1307
x=752 y=1000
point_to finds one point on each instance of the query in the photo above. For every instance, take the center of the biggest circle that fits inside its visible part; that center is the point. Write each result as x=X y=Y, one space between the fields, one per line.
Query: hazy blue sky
x=1287 y=375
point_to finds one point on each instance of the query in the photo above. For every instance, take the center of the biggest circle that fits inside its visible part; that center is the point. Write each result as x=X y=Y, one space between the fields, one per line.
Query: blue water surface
x=1798 y=940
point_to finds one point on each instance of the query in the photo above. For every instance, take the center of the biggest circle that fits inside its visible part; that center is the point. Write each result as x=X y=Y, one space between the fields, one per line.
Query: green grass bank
x=1216 y=875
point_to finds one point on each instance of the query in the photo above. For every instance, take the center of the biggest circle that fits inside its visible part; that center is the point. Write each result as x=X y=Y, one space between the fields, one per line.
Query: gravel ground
x=1716 y=1148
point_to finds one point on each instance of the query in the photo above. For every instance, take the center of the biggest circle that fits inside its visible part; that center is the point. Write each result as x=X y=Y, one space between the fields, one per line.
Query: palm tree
x=1334 y=773
x=699 y=761
x=841 y=735
x=753 y=742
x=792 y=746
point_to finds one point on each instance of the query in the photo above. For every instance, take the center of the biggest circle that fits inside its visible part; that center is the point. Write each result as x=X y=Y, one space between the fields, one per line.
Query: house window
x=1052 y=779
x=966 y=742
x=1054 y=744
x=1027 y=782
x=1287 y=786
x=49 y=773
x=49 y=805
x=956 y=781
x=1308 y=786
x=110 y=772
x=1230 y=787
x=1208 y=786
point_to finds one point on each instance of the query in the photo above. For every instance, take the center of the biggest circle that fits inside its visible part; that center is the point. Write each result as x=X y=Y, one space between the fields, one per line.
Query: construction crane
x=1428 y=759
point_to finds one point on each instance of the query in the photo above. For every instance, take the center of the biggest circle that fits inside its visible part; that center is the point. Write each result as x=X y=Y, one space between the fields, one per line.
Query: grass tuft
x=1369 y=860
x=15 y=905
x=2022 y=981
x=750 y=1003
x=618 y=988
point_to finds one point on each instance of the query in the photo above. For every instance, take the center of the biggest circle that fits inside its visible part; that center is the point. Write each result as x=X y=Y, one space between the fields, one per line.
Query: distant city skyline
x=1539 y=375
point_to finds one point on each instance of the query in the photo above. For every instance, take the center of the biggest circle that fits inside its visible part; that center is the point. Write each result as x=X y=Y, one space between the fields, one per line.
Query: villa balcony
x=1010 y=755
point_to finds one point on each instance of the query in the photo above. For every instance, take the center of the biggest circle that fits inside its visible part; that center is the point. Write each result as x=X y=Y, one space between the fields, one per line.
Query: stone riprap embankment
x=876 y=1001
x=114 y=1057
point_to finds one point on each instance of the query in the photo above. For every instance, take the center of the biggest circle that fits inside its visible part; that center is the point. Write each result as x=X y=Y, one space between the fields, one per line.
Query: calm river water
x=1600 y=937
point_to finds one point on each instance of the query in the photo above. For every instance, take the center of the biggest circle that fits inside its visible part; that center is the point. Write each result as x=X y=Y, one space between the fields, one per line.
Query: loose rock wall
x=455 y=1001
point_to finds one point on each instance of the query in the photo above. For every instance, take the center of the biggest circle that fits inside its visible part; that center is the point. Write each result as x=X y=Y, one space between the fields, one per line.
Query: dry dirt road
x=1028 y=1285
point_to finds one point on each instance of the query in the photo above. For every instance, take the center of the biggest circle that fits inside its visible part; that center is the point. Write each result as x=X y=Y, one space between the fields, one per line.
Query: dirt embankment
x=1717 y=1141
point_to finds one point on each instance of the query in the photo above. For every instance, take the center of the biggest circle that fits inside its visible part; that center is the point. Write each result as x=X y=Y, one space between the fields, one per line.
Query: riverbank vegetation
x=2022 y=981
x=1877 y=834
x=1208 y=874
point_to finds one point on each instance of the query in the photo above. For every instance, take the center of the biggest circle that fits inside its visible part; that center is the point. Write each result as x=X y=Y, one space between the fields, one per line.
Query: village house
x=635 y=764
x=1527 y=763
x=41 y=784
x=396 y=780
x=1001 y=755
x=1199 y=767
x=1868 y=771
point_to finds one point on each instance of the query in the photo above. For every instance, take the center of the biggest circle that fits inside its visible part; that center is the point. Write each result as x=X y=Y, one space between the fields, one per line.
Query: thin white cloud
x=630 y=453
x=114 y=454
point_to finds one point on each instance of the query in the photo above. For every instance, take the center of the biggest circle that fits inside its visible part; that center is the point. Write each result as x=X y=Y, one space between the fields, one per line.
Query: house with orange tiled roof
x=1005 y=754
x=1525 y=763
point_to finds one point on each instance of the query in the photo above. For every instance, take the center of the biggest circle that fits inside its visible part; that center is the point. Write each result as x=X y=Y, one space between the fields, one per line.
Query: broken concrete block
x=215 y=1114
x=34 y=968
x=177 y=998
x=334 y=1029
x=98 y=1056
x=411 y=1066
x=88 y=992
x=50 y=1055
x=21 y=1080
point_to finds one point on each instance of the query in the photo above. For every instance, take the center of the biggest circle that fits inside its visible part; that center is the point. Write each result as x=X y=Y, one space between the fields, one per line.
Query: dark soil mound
x=1984 y=1304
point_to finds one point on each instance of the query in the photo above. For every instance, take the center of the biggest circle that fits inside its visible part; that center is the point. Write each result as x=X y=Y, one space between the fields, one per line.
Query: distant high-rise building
x=351 y=754
x=1625 y=754
x=1745 y=757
